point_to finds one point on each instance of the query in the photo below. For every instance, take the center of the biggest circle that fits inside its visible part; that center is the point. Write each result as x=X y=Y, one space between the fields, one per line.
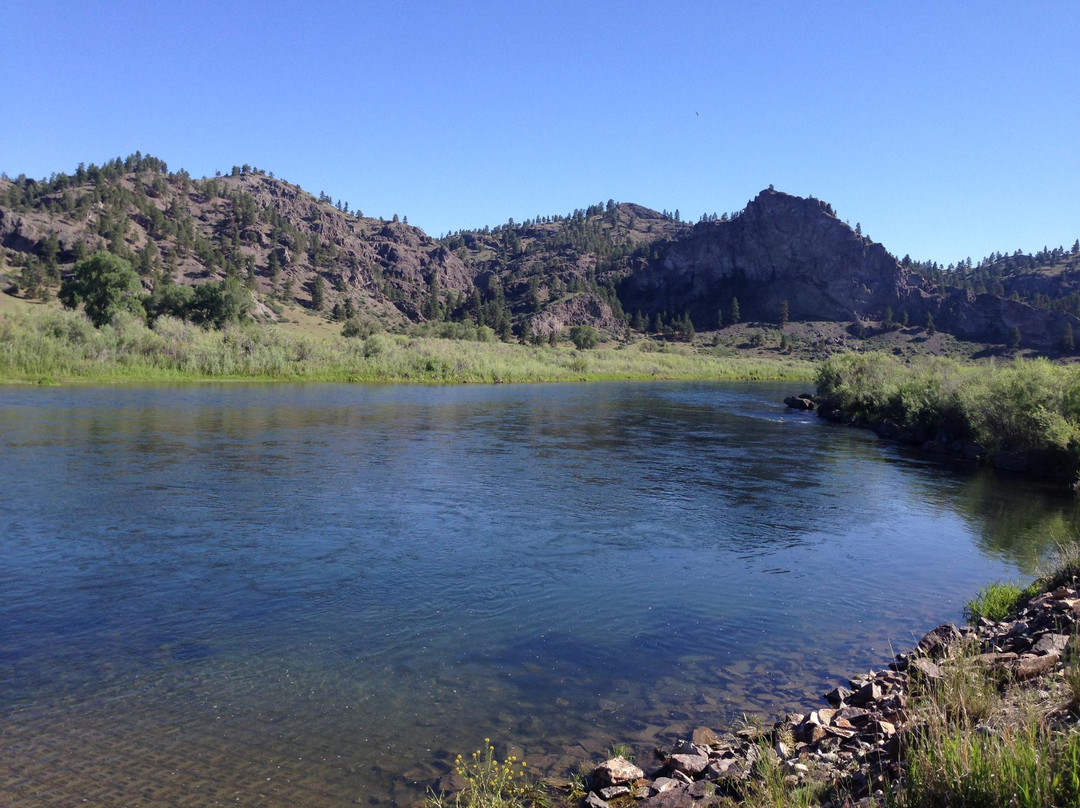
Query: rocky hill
x=786 y=256
x=613 y=266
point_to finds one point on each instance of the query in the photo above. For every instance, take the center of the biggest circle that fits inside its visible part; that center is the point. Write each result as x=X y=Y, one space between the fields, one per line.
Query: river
x=320 y=594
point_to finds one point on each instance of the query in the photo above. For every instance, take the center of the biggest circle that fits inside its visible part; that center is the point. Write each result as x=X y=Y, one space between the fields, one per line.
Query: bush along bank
x=978 y=715
x=1021 y=416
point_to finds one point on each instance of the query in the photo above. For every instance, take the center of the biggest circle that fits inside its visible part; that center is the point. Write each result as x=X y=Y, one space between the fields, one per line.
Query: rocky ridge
x=598 y=266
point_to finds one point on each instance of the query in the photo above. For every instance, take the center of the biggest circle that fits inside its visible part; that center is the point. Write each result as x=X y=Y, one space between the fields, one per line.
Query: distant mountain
x=614 y=266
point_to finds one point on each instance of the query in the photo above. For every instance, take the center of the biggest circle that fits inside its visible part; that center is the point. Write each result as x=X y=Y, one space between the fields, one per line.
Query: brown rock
x=936 y=642
x=870 y=692
x=726 y=767
x=837 y=696
x=703 y=736
x=594 y=801
x=997 y=658
x=925 y=671
x=616 y=771
x=662 y=784
x=690 y=764
x=812 y=733
x=1030 y=665
x=825 y=715
x=838 y=731
x=675 y=798
x=700 y=790
x=1050 y=644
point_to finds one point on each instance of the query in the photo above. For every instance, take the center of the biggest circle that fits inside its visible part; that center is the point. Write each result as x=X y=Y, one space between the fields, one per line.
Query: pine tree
x=736 y=314
x=784 y=313
x=318 y=293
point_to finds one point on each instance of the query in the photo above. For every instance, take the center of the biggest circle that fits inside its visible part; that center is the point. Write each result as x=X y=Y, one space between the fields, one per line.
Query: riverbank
x=1019 y=416
x=59 y=347
x=984 y=714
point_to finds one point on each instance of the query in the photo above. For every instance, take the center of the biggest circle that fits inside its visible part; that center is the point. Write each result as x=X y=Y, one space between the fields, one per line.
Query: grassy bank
x=1025 y=407
x=52 y=346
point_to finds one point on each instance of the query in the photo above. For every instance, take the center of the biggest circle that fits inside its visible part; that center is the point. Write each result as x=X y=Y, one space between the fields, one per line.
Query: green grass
x=995 y=601
x=1064 y=568
x=1025 y=764
x=55 y=346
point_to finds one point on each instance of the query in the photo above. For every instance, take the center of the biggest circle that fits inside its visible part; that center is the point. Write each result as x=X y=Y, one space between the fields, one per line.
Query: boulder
x=1030 y=665
x=691 y=765
x=662 y=784
x=868 y=693
x=837 y=696
x=1050 y=644
x=925 y=671
x=725 y=767
x=700 y=790
x=803 y=402
x=936 y=642
x=614 y=772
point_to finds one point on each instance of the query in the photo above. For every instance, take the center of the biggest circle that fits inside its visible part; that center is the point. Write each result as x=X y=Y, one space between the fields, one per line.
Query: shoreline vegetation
x=51 y=346
x=1021 y=416
x=983 y=715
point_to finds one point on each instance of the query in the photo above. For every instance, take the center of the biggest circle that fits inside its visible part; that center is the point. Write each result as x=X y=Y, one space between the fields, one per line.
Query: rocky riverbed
x=854 y=742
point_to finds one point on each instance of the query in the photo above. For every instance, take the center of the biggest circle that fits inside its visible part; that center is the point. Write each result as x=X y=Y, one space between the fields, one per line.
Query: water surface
x=319 y=594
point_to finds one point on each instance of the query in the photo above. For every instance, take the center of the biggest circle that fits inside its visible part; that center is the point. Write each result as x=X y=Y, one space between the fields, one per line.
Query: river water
x=320 y=594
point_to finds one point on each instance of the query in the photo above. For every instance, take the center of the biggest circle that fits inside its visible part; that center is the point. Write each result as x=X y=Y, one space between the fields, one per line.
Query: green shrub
x=584 y=337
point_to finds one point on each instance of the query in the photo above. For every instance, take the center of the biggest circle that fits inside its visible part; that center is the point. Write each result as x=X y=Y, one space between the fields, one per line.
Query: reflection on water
x=317 y=594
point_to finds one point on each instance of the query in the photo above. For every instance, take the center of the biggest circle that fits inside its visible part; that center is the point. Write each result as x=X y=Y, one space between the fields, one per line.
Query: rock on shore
x=856 y=740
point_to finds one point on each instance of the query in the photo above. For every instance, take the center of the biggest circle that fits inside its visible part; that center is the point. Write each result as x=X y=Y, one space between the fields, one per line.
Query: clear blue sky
x=948 y=129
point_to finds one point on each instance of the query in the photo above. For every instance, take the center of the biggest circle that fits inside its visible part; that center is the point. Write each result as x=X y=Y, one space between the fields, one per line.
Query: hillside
x=616 y=266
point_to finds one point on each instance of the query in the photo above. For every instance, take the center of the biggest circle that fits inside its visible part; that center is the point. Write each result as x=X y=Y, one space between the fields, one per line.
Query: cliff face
x=784 y=248
x=780 y=248
x=990 y=318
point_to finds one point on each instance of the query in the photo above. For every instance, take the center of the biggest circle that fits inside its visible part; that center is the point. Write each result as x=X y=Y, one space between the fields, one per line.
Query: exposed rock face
x=989 y=318
x=584 y=309
x=780 y=248
x=787 y=249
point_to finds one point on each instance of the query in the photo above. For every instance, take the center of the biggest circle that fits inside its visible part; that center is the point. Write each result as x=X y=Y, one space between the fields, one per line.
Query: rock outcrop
x=780 y=248
x=784 y=249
